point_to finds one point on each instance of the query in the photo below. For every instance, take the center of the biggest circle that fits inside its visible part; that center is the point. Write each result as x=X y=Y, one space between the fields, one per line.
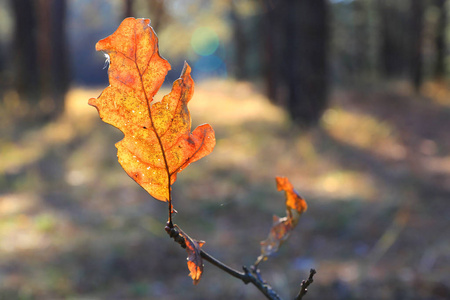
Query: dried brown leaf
x=282 y=227
x=194 y=259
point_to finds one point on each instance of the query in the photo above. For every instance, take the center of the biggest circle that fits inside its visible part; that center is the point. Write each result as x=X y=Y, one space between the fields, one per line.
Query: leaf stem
x=148 y=100
x=169 y=186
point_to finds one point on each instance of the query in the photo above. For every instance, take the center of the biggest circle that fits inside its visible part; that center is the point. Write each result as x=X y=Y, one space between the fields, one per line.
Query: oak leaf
x=157 y=142
x=282 y=227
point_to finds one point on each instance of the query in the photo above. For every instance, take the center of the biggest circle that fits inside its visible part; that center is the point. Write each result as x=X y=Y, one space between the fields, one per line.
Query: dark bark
x=295 y=57
x=307 y=57
x=273 y=43
x=53 y=56
x=240 y=43
x=439 y=66
x=44 y=51
x=60 y=65
x=158 y=13
x=360 y=42
x=128 y=8
x=388 y=48
x=26 y=79
x=401 y=40
x=41 y=58
x=416 y=26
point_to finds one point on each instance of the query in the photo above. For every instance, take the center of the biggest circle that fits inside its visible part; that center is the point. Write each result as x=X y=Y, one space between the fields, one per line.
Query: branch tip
x=305 y=283
x=250 y=275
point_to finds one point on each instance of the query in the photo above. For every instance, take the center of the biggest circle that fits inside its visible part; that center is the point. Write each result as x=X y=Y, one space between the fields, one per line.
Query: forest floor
x=375 y=174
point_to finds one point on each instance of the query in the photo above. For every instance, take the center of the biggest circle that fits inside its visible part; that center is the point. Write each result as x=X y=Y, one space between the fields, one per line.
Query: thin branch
x=212 y=260
x=304 y=285
x=247 y=276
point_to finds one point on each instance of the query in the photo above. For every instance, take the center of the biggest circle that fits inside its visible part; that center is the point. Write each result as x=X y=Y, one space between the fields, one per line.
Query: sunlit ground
x=376 y=176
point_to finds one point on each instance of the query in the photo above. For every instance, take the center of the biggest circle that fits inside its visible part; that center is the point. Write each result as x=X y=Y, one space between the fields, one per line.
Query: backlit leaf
x=157 y=142
x=282 y=227
x=295 y=204
x=194 y=259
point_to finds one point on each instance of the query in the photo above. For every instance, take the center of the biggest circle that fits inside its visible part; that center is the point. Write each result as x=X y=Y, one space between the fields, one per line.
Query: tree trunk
x=295 y=37
x=158 y=13
x=416 y=26
x=439 y=66
x=388 y=53
x=60 y=63
x=240 y=43
x=52 y=52
x=306 y=54
x=26 y=77
x=361 y=33
x=43 y=10
x=128 y=8
x=40 y=51
x=272 y=29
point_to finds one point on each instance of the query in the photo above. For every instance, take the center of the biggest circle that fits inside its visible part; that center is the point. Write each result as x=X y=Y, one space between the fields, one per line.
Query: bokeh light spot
x=204 y=41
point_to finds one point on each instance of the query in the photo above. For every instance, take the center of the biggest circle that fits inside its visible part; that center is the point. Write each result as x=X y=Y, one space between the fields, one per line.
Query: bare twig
x=251 y=275
x=247 y=276
x=257 y=273
x=304 y=285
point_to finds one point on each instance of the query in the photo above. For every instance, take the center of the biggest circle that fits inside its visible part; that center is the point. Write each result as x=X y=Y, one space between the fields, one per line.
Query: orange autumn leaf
x=194 y=259
x=295 y=204
x=157 y=142
x=282 y=227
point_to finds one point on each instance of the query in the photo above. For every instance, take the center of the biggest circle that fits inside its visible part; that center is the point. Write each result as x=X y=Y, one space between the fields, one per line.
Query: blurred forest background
x=348 y=98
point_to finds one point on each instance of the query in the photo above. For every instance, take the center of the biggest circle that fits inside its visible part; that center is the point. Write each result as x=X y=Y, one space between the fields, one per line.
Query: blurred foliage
x=75 y=226
x=354 y=45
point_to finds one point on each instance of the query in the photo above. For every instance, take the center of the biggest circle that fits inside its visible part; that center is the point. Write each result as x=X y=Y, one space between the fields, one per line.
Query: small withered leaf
x=194 y=259
x=293 y=199
x=279 y=232
x=282 y=227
